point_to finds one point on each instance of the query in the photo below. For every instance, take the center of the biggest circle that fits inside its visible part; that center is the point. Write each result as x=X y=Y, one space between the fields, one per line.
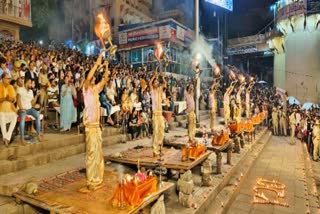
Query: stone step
x=51 y=142
x=109 y=131
x=54 y=147
x=180 y=117
x=183 y=123
x=184 y=116
x=41 y=158
x=173 y=125
x=115 y=139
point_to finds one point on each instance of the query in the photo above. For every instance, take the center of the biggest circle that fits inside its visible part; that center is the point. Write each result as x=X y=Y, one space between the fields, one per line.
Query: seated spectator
x=111 y=93
x=134 y=96
x=7 y=109
x=26 y=101
x=106 y=104
x=134 y=124
x=145 y=122
x=126 y=104
x=53 y=93
x=16 y=70
x=3 y=67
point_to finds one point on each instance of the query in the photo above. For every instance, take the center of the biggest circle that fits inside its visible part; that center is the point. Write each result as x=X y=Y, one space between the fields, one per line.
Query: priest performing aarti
x=226 y=98
x=156 y=91
x=212 y=97
x=91 y=118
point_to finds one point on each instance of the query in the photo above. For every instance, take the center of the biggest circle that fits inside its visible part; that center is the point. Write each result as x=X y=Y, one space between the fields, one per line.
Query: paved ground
x=285 y=163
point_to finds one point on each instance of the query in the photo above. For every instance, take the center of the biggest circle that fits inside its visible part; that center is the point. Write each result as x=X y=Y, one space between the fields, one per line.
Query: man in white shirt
x=25 y=101
x=111 y=93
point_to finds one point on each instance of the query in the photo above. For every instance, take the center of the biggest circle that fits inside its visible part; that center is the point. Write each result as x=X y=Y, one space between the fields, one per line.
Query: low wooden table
x=218 y=149
x=60 y=194
x=171 y=158
x=251 y=134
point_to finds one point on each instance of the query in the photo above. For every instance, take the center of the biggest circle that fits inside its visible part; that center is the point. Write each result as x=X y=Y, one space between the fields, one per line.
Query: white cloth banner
x=182 y=105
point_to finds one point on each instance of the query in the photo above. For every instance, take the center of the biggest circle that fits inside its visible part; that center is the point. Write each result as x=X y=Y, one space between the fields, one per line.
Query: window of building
x=135 y=56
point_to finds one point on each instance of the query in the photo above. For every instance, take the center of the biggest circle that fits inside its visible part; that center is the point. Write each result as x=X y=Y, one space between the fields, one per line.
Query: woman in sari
x=67 y=109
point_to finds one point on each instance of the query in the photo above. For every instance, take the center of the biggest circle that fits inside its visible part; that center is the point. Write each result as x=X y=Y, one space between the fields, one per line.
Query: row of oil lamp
x=269 y=185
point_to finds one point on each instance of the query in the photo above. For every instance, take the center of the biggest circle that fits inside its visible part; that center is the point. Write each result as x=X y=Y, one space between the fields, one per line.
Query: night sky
x=248 y=17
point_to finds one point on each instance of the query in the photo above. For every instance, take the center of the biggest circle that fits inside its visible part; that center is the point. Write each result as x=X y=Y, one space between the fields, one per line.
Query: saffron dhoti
x=158 y=131
x=94 y=156
x=191 y=125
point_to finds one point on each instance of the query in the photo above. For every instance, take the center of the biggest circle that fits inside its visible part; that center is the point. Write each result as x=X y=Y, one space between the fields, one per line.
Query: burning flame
x=102 y=27
x=232 y=75
x=217 y=71
x=159 y=52
x=241 y=78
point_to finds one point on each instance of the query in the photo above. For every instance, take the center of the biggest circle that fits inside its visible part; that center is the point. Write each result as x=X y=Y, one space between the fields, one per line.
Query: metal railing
x=20 y=12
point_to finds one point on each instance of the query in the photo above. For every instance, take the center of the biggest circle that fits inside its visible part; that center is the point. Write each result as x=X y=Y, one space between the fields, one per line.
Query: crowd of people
x=36 y=79
x=55 y=76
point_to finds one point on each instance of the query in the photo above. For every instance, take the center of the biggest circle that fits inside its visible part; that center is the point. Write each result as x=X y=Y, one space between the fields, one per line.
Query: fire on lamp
x=251 y=79
x=241 y=78
x=159 y=52
x=270 y=186
x=232 y=75
x=103 y=32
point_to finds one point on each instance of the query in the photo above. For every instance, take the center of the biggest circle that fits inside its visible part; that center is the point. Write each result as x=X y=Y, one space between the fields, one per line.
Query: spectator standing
x=31 y=74
x=43 y=83
x=67 y=109
x=316 y=140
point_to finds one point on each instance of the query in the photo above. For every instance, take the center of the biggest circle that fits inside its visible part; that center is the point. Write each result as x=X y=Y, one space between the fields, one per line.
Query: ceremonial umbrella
x=308 y=106
x=292 y=100
x=262 y=82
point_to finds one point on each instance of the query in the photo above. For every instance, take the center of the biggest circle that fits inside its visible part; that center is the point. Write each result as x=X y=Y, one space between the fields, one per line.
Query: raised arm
x=105 y=77
x=92 y=71
x=151 y=80
x=164 y=82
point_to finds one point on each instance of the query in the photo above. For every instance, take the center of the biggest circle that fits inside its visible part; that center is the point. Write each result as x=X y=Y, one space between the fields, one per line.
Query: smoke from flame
x=202 y=47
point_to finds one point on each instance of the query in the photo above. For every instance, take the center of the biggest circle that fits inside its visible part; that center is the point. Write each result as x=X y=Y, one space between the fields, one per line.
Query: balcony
x=20 y=15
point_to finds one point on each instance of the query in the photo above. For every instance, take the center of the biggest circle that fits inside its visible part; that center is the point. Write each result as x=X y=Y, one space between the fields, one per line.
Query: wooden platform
x=60 y=194
x=180 y=142
x=171 y=158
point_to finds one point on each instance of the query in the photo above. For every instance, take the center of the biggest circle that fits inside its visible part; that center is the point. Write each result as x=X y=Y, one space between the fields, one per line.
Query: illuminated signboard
x=227 y=4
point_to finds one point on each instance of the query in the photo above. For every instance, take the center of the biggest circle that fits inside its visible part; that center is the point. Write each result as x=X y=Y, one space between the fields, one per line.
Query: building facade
x=297 y=50
x=13 y=14
x=137 y=44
